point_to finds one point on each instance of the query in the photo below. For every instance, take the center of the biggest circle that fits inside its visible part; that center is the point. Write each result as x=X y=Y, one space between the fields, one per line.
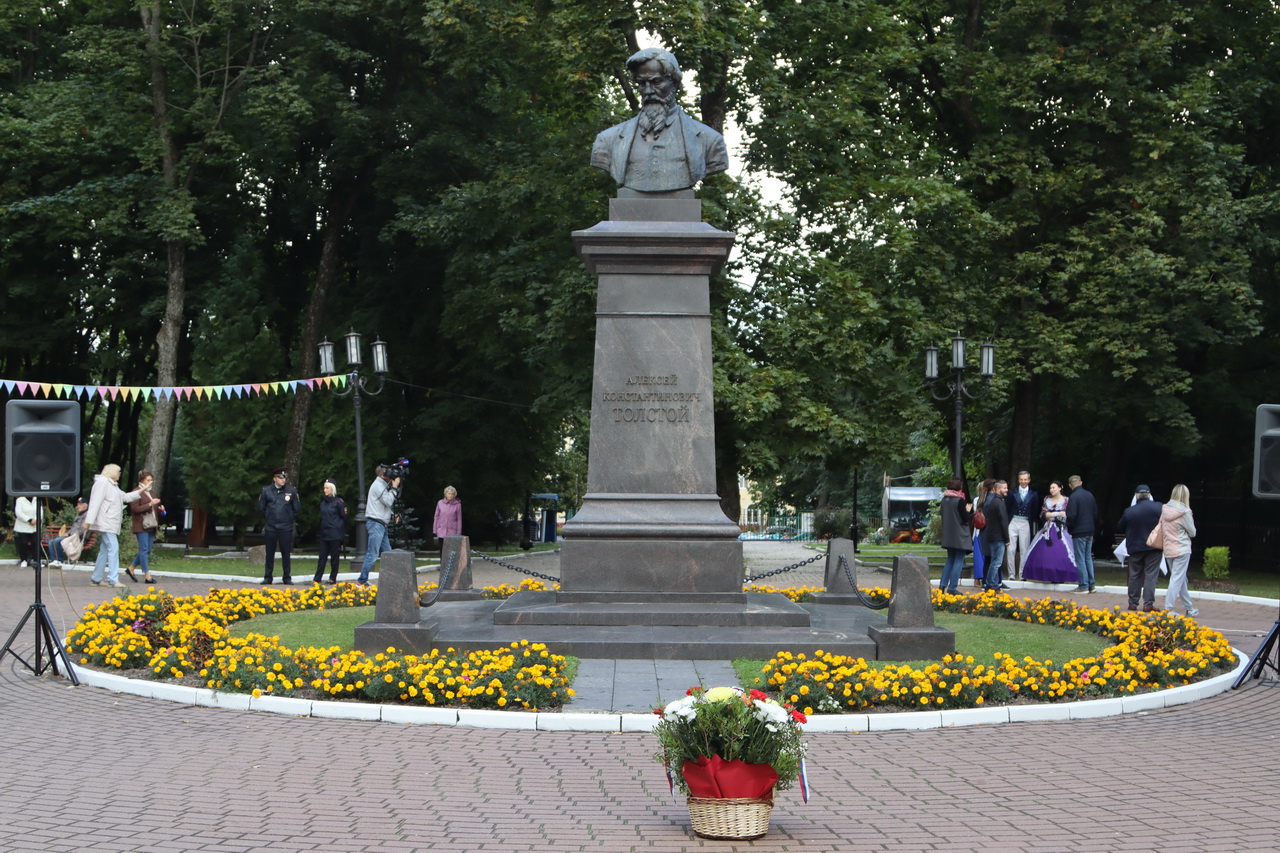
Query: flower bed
x=1151 y=651
x=189 y=638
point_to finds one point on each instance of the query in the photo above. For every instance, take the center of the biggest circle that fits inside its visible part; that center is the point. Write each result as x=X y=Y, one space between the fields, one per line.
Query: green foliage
x=1092 y=186
x=1068 y=181
x=831 y=521
x=1217 y=562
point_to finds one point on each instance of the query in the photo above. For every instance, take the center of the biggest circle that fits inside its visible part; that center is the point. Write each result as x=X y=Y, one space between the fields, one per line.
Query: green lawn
x=325 y=628
x=983 y=636
x=316 y=628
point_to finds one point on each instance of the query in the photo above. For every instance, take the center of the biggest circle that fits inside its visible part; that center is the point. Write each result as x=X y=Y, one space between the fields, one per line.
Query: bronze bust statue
x=662 y=148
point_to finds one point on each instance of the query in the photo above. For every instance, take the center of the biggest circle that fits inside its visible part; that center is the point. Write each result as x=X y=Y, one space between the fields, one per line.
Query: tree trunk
x=167 y=338
x=1025 y=396
x=727 y=466
x=341 y=201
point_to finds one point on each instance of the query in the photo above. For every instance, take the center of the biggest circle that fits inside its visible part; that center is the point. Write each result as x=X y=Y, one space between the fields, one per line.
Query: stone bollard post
x=911 y=633
x=460 y=583
x=836 y=587
x=911 y=601
x=397 y=589
x=398 y=620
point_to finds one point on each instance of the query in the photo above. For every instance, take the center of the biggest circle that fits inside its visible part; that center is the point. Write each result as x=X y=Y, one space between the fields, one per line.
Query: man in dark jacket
x=1144 y=561
x=278 y=505
x=1023 y=504
x=994 y=538
x=1082 y=523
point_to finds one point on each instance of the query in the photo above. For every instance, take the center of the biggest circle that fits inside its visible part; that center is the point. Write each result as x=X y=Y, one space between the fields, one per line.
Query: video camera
x=396 y=470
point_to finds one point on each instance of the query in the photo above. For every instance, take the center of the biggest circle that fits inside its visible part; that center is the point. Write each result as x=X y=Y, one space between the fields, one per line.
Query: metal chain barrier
x=754 y=578
x=444 y=580
x=853 y=582
x=514 y=568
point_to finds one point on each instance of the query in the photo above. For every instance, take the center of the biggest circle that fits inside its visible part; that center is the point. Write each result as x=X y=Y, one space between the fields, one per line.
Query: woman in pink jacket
x=448 y=515
x=1179 y=528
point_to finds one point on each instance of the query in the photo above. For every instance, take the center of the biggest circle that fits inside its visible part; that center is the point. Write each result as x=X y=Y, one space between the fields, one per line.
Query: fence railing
x=775 y=525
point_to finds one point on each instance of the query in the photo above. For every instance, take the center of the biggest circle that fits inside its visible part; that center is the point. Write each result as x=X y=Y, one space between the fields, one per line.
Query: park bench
x=51 y=532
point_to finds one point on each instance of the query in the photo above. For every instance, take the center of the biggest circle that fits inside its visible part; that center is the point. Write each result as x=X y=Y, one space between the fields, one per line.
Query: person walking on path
x=145 y=522
x=377 y=515
x=279 y=505
x=957 y=536
x=1024 y=506
x=24 y=530
x=333 y=529
x=1179 y=528
x=448 y=520
x=995 y=536
x=1144 y=560
x=1082 y=524
x=106 y=511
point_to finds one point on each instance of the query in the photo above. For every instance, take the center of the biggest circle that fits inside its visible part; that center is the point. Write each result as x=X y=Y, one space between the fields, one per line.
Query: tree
x=199 y=58
x=1066 y=180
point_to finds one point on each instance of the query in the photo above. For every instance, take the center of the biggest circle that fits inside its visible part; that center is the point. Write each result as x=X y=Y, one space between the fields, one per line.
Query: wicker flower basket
x=730 y=819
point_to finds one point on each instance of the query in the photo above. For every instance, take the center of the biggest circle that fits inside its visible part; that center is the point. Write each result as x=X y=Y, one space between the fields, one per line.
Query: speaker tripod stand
x=46 y=637
x=1262 y=660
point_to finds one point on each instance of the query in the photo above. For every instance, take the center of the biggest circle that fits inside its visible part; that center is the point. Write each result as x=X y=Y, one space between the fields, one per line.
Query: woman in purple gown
x=1052 y=557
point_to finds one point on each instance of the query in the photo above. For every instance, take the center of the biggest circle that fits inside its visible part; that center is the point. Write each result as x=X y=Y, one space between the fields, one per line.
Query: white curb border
x=577 y=721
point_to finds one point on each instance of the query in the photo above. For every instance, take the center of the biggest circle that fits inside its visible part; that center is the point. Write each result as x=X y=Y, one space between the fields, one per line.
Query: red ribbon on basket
x=715 y=777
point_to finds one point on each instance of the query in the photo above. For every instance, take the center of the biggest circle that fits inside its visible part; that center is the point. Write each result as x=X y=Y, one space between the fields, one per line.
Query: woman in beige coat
x=106 y=510
x=1179 y=527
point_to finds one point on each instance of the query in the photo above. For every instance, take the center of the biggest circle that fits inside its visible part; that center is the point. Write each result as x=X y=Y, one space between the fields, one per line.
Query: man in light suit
x=1024 y=517
x=662 y=148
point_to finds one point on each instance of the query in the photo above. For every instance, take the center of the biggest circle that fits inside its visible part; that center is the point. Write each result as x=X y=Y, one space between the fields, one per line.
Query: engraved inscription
x=672 y=379
x=642 y=390
x=629 y=415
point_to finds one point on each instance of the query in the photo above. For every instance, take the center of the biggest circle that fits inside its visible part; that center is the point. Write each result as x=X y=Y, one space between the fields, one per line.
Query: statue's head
x=657 y=74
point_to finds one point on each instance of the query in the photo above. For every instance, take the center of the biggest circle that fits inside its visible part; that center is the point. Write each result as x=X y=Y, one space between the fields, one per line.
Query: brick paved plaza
x=90 y=770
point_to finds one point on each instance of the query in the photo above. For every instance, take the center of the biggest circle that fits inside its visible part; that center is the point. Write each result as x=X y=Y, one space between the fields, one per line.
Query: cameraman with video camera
x=377 y=515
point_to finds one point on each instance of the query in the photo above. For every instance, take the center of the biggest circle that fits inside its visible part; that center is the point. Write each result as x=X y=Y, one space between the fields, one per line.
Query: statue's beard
x=653 y=116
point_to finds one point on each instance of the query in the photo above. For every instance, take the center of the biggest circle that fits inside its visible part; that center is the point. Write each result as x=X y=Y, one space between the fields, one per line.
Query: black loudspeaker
x=42 y=448
x=1266 y=452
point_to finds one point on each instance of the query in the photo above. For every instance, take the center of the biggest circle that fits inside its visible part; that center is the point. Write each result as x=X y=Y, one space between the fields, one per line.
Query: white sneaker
x=1195 y=611
x=22 y=565
x=55 y=564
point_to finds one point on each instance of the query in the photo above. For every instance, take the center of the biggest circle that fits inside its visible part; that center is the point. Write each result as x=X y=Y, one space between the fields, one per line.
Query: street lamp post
x=957 y=387
x=357 y=385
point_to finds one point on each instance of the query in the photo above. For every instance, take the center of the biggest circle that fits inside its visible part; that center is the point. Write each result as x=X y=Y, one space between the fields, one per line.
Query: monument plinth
x=651 y=520
x=650 y=566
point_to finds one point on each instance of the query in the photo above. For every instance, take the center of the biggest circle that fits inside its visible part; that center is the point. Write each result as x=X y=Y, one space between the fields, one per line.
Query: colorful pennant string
x=61 y=391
